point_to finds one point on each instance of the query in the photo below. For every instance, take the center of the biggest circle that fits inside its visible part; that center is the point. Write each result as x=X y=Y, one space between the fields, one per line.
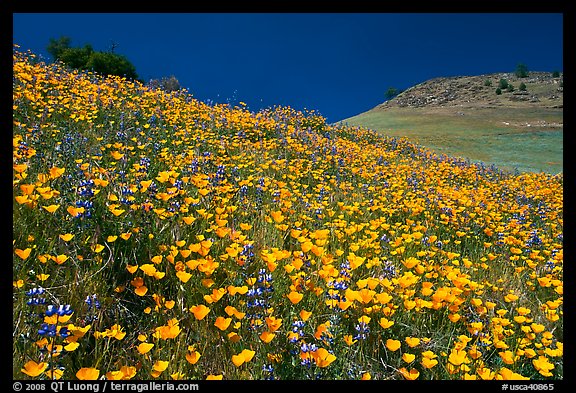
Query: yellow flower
x=412 y=341
x=349 y=339
x=144 y=348
x=295 y=297
x=304 y=315
x=160 y=365
x=34 y=369
x=66 y=237
x=23 y=254
x=222 y=323
x=409 y=375
x=507 y=357
x=71 y=347
x=199 y=311
x=507 y=374
x=230 y=310
x=273 y=323
x=192 y=356
x=323 y=358
x=267 y=336
x=543 y=366
x=18 y=283
x=428 y=362
x=393 y=345
x=243 y=357
x=457 y=357
x=277 y=216
x=408 y=357
x=485 y=373
x=115 y=331
x=88 y=373
x=385 y=323
x=51 y=208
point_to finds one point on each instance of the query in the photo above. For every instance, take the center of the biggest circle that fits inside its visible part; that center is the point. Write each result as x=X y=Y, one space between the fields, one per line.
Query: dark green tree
x=522 y=87
x=86 y=58
x=107 y=63
x=521 y=70
x=556 y=74
x=503 y=84
x=76 y=57
x=391 y=93
x=498 y=91
x=57 y=46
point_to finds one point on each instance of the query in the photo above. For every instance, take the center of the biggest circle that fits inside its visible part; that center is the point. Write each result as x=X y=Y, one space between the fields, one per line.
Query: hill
x=542 y=91
x=157 y=237
x=464 y=116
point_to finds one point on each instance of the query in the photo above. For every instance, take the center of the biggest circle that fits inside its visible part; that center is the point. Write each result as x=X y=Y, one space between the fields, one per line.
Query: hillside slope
x=157 y=237
x=542 y=91
x=463 y=116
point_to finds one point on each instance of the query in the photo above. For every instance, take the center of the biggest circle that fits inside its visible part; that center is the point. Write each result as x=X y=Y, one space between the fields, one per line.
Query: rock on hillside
x=542 y=90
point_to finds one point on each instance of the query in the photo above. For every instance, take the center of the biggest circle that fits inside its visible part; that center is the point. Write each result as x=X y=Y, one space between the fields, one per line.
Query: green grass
x=477 y=134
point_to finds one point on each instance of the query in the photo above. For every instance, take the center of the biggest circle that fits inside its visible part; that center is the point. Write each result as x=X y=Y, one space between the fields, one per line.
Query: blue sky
x=339 y=64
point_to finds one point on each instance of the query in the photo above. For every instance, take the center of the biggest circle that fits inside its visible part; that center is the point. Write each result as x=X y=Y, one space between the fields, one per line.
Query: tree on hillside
x=57 y=46
x=391 y=93
x=86 y=58
x=522 y=87
x=111 y=64
x=521 y=70
x=76 y=57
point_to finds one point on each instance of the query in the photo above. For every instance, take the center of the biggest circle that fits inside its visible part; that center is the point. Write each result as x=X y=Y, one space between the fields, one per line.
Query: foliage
x=156 y=236
x=498 y=91
x=522 y=87
x=487 y=82
x=521 y=70
x=111 y=64
x=503 y=84
x=86 y=58
x=57 y=46
x=556 y=74
x=391 y=93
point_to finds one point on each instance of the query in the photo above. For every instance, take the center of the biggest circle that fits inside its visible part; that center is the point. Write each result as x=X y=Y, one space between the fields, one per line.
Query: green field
x=498 y=136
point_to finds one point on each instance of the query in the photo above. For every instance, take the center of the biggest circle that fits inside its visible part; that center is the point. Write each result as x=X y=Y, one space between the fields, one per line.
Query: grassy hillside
x=464 y=117
x=157 y=237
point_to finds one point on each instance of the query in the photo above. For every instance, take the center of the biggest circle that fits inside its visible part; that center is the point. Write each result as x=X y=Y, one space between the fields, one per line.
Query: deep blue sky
x=339 y=64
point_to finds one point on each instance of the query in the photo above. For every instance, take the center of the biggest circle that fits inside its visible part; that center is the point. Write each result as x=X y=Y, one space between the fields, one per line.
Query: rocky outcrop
x=541 y=88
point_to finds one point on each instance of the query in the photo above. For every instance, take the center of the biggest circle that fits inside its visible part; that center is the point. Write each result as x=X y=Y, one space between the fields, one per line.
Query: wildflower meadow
x=156 y=236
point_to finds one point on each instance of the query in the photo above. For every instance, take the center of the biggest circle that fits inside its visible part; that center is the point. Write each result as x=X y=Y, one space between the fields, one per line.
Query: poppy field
x=156 y=236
